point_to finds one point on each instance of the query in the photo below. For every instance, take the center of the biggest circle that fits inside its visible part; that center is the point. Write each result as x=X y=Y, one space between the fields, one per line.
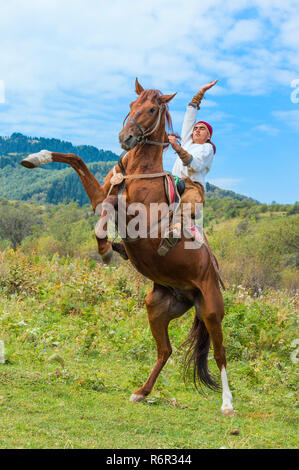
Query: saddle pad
x=174 y=187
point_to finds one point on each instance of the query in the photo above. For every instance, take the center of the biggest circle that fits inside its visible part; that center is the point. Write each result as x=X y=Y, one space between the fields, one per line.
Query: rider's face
x=200 y=134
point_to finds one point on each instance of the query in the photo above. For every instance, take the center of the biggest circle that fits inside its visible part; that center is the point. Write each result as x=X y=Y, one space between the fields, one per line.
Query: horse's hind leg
x=162 y=306
x=211 y=310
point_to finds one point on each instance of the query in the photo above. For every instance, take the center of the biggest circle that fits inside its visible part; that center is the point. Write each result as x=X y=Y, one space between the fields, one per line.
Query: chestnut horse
x=181 y=279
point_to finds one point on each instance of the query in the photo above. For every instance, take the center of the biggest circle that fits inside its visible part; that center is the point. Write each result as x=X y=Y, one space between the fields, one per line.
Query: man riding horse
x=195 y=157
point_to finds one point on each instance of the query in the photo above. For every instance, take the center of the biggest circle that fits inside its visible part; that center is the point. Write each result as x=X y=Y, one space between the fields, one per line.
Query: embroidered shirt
x=202 y=154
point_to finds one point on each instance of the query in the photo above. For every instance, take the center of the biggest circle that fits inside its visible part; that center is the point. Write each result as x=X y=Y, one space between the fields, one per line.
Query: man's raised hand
x=209 y=85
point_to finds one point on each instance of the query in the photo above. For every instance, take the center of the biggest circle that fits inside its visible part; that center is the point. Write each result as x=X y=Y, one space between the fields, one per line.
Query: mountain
x=215 y=192
x=57 y=182
x=21 y=144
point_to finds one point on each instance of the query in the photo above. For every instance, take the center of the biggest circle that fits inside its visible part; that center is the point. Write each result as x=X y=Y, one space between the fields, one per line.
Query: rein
x=118 y=178
x=142 y=138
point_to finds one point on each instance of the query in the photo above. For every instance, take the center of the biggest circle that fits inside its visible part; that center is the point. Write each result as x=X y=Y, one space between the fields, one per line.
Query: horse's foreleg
x=93 y=189
x=107 y=209
x=162 y=307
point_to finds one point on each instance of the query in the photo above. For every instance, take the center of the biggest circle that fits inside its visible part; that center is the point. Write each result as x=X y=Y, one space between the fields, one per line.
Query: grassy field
x=78 y=344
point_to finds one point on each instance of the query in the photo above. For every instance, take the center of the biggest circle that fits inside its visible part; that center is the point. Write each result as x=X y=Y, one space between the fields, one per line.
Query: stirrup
x=171 y=239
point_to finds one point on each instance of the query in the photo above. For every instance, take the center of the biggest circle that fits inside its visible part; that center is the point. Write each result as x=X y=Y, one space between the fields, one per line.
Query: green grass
x=78 y=344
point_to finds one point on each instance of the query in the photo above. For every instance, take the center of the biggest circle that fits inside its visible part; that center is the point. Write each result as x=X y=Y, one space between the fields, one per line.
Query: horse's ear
x=138 y=88
x=166 y=98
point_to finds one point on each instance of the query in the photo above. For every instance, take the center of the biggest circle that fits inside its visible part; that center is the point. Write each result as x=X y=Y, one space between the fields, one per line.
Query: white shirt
x=202 y=153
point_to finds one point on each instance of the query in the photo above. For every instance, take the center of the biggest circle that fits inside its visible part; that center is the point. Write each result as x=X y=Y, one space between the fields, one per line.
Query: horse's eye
x=152 y=110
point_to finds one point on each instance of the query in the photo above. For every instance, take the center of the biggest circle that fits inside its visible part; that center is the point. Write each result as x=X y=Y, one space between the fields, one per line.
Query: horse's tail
x=198 y=343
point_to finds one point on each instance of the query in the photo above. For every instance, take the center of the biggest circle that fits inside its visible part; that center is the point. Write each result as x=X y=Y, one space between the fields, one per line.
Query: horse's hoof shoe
x=136 y=398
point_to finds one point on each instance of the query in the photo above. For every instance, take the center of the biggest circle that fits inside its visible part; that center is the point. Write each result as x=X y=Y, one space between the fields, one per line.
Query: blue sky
x=69 y=67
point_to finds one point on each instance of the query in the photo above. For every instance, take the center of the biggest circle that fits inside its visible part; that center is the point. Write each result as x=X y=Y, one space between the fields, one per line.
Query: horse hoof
x=228 y=412
x=35 y=159
x=136 y=398
x=107 y=257
x=120 y=249
x=28 y=164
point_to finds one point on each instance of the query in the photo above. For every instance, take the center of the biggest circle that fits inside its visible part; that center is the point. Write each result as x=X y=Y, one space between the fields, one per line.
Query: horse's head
x=145 y=117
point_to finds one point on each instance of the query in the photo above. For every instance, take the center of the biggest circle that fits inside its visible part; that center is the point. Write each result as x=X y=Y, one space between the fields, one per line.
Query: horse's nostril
x=128 y=139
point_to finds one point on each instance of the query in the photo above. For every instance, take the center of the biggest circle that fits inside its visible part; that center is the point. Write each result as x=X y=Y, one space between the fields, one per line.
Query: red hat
x=210 y=128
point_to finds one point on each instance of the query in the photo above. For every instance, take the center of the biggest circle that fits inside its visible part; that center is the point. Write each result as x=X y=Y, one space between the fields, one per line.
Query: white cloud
x=226 y=183
x=206 y=103
x=290 y=118
x=69 y=63
x=244 y=31
x=265 y=128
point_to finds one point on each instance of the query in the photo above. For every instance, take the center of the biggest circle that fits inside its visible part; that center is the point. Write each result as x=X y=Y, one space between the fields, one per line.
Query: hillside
x=19 y=144
x=56 y=182
x=254 y=248
x=45 y=184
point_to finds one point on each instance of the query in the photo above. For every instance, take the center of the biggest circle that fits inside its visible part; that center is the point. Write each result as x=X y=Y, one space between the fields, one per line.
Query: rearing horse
x=181 y=279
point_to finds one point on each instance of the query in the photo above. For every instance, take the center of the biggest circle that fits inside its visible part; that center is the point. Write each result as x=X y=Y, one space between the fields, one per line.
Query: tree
x=16 y=223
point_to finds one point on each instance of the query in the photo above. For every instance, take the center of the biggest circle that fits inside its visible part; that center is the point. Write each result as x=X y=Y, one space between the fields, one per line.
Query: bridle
x=119 y=178
x=142 y=138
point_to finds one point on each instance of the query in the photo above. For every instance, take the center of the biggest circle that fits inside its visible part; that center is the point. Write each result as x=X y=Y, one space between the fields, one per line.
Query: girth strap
x=118 y=178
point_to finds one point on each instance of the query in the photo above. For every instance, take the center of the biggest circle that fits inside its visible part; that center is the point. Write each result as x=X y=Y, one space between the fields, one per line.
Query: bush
x=258 y=254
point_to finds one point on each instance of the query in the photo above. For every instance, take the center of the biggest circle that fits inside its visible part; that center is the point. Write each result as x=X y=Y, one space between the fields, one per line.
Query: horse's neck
x=147 y=158
x=144 y=160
